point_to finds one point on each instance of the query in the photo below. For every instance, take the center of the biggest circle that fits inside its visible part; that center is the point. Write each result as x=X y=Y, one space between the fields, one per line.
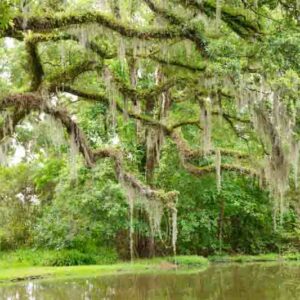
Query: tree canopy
x=200 y=87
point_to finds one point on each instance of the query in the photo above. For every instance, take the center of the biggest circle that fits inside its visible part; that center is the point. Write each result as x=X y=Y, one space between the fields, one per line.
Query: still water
x=218 y=282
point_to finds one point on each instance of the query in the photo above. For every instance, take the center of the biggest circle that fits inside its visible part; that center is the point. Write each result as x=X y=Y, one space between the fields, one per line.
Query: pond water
x=261 y=281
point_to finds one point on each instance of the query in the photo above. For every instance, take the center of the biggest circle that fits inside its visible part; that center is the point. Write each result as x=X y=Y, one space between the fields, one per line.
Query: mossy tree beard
x=163 y=85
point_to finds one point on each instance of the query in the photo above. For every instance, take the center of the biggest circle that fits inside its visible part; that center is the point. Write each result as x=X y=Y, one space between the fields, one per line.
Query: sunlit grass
x=13 y=268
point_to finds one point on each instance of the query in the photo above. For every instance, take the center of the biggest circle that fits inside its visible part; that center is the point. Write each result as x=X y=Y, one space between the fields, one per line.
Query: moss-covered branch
x=34 y=64
x=176 y=63
x=131 y=180
x=238 y=19
x=145 y=94
x=112 y=53
x=147 y=120
x=169 y=129
x=10 y=122
x=189 y=153
x=51 y=22
x=27 y=102
x=186 y=122
x=190 y=31
x=58 y=81
x=166 y=13
x=201 y=171
x=22 y=102
x=186 y=153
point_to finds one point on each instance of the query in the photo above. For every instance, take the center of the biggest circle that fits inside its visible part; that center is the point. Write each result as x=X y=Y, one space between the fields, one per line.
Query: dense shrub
x=69 y=258
x=85 y=217
x=73 y=257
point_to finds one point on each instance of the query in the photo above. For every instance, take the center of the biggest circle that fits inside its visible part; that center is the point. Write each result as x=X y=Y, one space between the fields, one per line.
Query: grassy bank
x=19 y=266
x=270 y=257
x=29 y=264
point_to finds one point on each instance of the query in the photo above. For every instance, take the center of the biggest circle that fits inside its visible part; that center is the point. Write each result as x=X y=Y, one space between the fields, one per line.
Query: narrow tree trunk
x=221 y=223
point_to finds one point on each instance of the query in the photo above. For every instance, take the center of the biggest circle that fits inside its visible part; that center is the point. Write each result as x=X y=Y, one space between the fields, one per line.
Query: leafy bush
x=5 y=13
x=26 y=257
x=84 y=216
x=101 y=256
x=69 y=258
x=17 y=218
x=106 y=256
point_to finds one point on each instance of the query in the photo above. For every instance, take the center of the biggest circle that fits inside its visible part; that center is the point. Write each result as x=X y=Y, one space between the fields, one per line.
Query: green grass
x=188 y=261
x=47 y=265
x=22 y=265
x=27 y=258
x=270 y=257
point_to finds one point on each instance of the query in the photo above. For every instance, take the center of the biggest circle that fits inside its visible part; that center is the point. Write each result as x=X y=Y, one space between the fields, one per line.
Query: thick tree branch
x=201 y=171
x=105 y=53
x=190 y=153
x=146 y=94
x=103 y=99
x=58 y=81
x=238 y=19
x=185 y=154
x=34 y=64
x=51 y=22
x=190 y=31
x=175 y=63
x=28 y=102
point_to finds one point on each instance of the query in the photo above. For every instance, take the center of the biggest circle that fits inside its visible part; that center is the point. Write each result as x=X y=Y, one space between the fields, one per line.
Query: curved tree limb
x=50 y=22
x=28 y=102
x=190 y=32
x=189 y=153
x=237 y=19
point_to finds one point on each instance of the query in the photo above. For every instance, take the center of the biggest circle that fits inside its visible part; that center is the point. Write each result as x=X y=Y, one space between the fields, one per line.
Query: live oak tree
x=226 y=69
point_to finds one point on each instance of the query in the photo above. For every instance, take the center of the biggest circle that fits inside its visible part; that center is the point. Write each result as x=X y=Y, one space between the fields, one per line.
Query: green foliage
x=69 y=258
x=6 y=13
x=89 y=214
x=46 y=177
x=29 y=257
x=18 y=209
x=247 y=224
x=74 y=257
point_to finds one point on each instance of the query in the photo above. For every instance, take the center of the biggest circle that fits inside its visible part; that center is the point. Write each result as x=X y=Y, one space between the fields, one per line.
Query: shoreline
x=185 y=264
x=182 y=264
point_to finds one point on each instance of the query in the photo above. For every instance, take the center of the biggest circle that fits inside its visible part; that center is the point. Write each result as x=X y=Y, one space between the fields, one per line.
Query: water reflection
x=218 y=282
